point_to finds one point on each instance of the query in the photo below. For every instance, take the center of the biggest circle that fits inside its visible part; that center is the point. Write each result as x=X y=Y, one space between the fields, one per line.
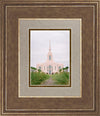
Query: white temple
x=49 y=67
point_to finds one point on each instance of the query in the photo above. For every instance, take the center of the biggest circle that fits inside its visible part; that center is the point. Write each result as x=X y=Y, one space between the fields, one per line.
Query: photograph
x=50 y=57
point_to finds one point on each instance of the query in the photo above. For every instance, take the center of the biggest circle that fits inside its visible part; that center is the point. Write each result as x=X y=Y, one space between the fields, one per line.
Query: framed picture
x=49 y=57
x=55 y=45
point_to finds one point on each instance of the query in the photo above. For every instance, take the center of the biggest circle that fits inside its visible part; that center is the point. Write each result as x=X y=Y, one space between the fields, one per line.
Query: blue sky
x=60 y=46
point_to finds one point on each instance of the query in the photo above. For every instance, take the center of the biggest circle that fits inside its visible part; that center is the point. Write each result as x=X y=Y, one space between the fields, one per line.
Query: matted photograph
x=50 y=53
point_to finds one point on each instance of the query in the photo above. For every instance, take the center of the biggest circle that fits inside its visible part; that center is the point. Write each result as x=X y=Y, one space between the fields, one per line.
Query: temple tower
x=49 y=55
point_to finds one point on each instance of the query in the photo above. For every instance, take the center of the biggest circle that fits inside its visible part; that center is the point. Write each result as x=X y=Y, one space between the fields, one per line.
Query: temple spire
x=49 y=45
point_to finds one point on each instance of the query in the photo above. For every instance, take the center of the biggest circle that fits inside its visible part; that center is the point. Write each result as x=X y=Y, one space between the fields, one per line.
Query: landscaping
x=61 y=78
x=38 y=77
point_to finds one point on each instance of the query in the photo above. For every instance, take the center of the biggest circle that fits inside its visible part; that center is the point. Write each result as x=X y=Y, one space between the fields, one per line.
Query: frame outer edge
x=1 y=60
x=43 y=1
x=98 y=57
x=1 y=56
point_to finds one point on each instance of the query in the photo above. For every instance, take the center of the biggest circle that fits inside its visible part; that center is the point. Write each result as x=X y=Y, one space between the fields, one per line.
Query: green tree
x=66 y=67
x=60 y=70
x=39 y=70
x=34 y=68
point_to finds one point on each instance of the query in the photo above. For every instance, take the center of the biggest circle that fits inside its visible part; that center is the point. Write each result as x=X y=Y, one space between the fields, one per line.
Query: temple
x=49 y=67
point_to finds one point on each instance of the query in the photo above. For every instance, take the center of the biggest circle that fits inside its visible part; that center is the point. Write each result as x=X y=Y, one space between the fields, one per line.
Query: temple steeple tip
x=49 y=45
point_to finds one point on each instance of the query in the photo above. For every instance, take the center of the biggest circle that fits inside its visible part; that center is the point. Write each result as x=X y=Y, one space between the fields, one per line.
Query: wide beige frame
x=76 y=89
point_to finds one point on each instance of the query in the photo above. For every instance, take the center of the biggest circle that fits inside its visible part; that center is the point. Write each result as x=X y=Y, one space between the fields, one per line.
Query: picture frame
x=11 y=103
x=23 y=72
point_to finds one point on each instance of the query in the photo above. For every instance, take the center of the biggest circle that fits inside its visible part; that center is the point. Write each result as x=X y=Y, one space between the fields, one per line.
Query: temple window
x=50 y=66
x=49 y=57
x=59 y=67
x=40 y=67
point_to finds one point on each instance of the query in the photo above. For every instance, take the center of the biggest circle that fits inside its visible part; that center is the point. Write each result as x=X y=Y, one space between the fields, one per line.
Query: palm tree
x=65 y=69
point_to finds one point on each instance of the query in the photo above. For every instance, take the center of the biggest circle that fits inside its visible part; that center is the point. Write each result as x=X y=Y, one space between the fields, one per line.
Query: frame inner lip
x=69 y=55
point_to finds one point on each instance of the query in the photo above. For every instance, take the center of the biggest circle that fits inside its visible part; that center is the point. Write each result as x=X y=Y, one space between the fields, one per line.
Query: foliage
x=34 y=68
x=56 y=73
x=60 y=70
x=38 y=77
x=39 y=70
x=65 y=68
x=61 y=78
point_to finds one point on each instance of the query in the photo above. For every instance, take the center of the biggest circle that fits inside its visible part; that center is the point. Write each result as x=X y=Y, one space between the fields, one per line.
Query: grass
x=38 y=77
x=61 y=78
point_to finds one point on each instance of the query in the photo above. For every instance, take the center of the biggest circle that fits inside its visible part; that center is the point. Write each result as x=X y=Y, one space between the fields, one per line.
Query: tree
x=60 y=70
x=34 y=68
x=39 y=70
x=66 y=67
x=63 y=69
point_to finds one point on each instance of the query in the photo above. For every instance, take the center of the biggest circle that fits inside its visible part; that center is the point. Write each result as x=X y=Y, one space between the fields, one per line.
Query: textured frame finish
x=4 y=72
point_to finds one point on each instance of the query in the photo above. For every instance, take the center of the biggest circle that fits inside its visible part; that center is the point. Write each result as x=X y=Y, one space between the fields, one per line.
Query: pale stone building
x=49 y=67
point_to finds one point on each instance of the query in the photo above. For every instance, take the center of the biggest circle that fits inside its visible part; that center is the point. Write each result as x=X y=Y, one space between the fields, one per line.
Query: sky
x=60 y=46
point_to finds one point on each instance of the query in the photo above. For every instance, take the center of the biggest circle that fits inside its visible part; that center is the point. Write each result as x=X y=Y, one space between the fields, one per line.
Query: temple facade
x=49 y=67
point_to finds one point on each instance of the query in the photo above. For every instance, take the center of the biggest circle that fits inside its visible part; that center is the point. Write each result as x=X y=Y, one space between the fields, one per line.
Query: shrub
x=61 y=78
x=39 y=70
x=60 y=70
x=38 y=77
